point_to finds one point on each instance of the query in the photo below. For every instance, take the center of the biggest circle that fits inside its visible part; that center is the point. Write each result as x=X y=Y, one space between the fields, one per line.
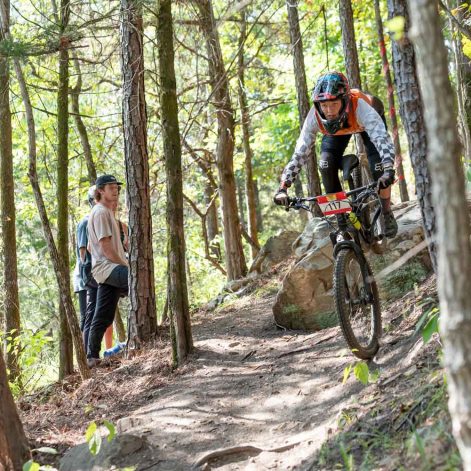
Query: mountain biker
x=339 y=112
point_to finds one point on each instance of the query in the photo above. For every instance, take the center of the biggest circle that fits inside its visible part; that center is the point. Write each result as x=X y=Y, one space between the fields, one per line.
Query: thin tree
x=66 y=363
x=245 y=123
x=313 y=180
x=352 y=69
x=235 y=259
x=79 y=124
x=461 y=88
x=60 y=269
x=14 y=450
x=452 y=217
x=11 y=308
x=392 y=108
x=143 y=317
x=177 y=287
x=412 y=116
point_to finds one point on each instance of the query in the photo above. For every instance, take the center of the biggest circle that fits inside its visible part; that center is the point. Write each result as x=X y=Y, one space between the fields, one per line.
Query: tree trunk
x=177 y=286
x=10 y=304
x=245 y=122
x=119 y=326
x=14 y=450
x=259 y=208
x=235 y=259
x=452 y=219
x=392 y=108
x=411 y=110
x=66 y=360
x=212 y=220
x=461 y=91
x=60 y=269
x=240 y=197
x=143 y=315
x=352 y=69
x=313 y=180
x=81 y=129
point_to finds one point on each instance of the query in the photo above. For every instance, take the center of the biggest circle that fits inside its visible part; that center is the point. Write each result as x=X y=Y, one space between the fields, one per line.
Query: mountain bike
x=355 y=226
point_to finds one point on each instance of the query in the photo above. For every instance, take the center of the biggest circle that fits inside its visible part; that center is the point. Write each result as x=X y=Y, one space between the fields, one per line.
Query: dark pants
x=82 y=299
x=108 y=294
x=332 y=150
x=90 y=312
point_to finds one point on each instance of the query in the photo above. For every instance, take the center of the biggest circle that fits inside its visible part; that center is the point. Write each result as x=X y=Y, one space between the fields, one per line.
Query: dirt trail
x=264 y=397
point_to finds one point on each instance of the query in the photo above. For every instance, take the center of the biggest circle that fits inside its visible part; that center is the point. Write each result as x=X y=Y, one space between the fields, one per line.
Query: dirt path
x=264 y=397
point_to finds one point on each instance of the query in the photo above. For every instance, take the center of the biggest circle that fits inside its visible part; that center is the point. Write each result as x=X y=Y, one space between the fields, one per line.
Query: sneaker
x=390 y=225
x=93 y=362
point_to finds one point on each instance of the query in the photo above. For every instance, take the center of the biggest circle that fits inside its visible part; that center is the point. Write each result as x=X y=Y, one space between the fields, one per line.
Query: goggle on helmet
x=332 y=86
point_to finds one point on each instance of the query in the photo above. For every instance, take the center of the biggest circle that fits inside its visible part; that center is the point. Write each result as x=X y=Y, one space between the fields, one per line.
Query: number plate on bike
x=334 y=203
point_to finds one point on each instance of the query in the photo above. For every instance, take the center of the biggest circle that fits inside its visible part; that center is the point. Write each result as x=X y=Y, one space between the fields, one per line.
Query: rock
x=316 y=230
x=276 y=249
x=305 y=298
x=123 y=451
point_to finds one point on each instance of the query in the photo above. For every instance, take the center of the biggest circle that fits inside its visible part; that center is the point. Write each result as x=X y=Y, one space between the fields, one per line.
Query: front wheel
x=357 y=303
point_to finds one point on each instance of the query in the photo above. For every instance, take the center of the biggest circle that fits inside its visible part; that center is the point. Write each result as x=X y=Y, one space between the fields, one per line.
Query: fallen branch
x=255 y=450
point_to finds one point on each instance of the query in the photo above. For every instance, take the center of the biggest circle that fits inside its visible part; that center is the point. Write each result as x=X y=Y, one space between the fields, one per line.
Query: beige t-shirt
x=101 y=224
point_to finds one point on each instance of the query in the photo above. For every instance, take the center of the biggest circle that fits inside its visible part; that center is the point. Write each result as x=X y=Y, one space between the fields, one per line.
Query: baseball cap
x=103 y=180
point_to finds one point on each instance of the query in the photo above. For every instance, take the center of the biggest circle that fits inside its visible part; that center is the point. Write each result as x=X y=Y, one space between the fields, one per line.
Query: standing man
x=84 y=280
x=109 y=264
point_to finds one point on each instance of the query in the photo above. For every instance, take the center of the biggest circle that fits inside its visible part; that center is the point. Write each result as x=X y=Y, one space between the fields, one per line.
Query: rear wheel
x=357 y=303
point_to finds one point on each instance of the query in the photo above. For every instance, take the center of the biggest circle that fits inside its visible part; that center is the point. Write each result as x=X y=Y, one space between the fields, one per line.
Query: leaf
x=111 y=428
x=361 y=372
x=31 y=466
x=94 y=445
x=47 y=449
x=396 y=26
x=90 y=431
x=93 y=438
x=430 y=328
x=467 y=51
x=346 y=373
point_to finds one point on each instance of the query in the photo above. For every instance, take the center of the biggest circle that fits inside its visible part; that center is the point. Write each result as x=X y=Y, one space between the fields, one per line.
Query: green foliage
x=31 y=466
x=403 y=279
x=93 y=436
x=32 y=350
x=362 y=373
x=397 y=26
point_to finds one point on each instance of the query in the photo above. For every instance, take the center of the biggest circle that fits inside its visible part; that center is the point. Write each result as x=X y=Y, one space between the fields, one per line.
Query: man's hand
x=387 y=179
x=281 y=197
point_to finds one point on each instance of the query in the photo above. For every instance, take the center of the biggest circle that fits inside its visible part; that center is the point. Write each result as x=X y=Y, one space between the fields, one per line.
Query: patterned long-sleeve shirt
x=362 y=117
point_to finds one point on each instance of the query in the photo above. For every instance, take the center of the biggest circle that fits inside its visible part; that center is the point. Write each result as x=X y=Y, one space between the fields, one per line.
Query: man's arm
x=83 y=253
x=109 y=252
x=302 y=150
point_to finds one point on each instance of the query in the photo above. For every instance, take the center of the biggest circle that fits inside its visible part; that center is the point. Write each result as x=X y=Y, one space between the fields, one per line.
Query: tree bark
x=259 y=209
x=60 y=269
x=452 y=218
x=66 y=360
x=411 y=110
x=11 y=306
x=177 y=287
x=81 y=129
x=240 y=197
x=245 y=122
x=143 y=316
x=352 y=69
x=313 y=180
x=392 y=108
x=14 y=450
x=461 y=90
x=235 y=259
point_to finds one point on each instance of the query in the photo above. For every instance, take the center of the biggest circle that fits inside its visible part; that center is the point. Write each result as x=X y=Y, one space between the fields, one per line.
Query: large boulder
x=277 y=249
x=305 y=298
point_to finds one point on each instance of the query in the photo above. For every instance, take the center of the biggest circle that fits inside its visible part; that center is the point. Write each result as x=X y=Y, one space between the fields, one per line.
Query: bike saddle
x=349 y=162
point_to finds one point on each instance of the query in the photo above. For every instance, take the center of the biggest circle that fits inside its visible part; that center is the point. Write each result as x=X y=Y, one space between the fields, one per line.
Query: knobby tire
x=351 y=319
